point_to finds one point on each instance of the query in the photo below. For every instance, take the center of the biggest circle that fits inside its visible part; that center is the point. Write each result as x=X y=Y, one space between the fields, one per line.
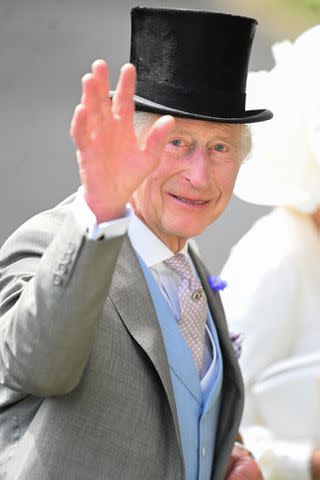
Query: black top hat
x=193 y=64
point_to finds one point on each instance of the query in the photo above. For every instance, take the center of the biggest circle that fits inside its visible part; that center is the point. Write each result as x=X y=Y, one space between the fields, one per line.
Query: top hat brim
x=247 y=116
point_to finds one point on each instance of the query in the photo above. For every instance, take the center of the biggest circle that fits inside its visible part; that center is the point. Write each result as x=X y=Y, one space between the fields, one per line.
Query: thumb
x=158 y=136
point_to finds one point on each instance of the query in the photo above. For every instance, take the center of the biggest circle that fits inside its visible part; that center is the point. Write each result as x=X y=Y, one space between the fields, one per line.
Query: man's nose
x=198 y=173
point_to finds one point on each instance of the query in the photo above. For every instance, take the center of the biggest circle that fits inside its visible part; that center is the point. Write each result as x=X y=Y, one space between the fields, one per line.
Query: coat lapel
x=179 y=354
x=232 y=388
x=131 y=297
x=218 y=315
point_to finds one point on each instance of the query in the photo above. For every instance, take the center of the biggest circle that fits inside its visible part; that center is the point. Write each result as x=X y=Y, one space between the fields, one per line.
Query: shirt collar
x=147 y=245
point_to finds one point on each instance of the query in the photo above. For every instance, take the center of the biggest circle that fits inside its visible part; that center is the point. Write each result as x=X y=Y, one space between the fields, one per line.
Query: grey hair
x=246 y=142
x=144 y=119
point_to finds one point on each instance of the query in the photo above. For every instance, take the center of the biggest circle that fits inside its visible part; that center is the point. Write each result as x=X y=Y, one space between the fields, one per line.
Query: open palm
x=112 y=163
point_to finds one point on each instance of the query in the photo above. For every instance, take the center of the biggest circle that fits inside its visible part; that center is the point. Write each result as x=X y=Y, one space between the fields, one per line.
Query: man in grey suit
x=115 y=359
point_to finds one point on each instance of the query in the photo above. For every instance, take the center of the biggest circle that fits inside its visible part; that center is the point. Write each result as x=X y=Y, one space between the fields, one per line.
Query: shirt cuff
x=88 y=222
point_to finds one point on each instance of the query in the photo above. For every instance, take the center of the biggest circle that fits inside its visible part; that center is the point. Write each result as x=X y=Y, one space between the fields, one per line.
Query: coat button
x=62 y=268
x=71 y=247
x=65 y=258
x=57 y=279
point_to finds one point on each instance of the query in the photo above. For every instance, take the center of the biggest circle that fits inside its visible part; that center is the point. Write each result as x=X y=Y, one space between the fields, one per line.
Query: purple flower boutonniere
x=216 y=283
x=236 y=340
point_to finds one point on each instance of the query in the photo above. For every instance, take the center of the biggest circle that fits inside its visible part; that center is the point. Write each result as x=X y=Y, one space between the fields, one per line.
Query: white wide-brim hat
x=284 y=166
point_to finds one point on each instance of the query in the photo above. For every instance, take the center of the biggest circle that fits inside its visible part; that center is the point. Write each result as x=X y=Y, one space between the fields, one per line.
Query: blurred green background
x=307 y=12
x=282 y=18
x=303 y=6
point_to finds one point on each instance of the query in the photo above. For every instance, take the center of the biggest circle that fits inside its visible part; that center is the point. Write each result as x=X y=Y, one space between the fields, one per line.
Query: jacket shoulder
x=34 y=236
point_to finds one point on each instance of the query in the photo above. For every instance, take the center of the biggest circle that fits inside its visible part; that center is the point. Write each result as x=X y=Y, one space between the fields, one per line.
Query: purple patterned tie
x=193 y=306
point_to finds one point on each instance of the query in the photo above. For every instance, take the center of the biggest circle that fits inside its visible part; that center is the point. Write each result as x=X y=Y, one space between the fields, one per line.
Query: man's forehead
x=193 y=126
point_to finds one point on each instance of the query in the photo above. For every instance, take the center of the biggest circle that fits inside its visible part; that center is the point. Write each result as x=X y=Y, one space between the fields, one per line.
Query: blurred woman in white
x=273 y=273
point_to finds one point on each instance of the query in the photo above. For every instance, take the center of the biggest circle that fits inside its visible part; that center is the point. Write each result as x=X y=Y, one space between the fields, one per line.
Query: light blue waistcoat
x=197 y=408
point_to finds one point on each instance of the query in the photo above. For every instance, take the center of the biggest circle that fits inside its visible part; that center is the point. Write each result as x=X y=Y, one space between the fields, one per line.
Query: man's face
x=193 y=182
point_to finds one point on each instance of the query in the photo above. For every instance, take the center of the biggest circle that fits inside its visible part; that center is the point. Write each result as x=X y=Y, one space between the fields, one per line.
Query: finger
x=244 y=468
x=101 y=73
x=78 y=128
x=241 y=450
x=90 y=99
x=123 y=104
x=158 y=135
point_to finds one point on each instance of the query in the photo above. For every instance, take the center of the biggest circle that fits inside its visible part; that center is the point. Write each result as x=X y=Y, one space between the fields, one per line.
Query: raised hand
x=112 y=163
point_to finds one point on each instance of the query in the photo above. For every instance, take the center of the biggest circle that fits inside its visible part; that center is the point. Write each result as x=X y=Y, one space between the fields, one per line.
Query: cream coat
x=273 y=277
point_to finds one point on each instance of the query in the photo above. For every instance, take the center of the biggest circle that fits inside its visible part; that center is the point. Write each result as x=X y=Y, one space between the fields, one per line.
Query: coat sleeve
x=260 y=302
x=53 y=285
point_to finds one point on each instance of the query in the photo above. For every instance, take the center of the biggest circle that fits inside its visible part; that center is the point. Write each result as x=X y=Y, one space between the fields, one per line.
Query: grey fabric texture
x=85 y=388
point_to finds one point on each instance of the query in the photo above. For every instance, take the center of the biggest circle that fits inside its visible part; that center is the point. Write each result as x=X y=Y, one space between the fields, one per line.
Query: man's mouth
x=188 y=200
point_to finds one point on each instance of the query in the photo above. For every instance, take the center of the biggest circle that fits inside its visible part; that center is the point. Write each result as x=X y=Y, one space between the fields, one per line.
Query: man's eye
x=177 y=142
x=219 y=147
